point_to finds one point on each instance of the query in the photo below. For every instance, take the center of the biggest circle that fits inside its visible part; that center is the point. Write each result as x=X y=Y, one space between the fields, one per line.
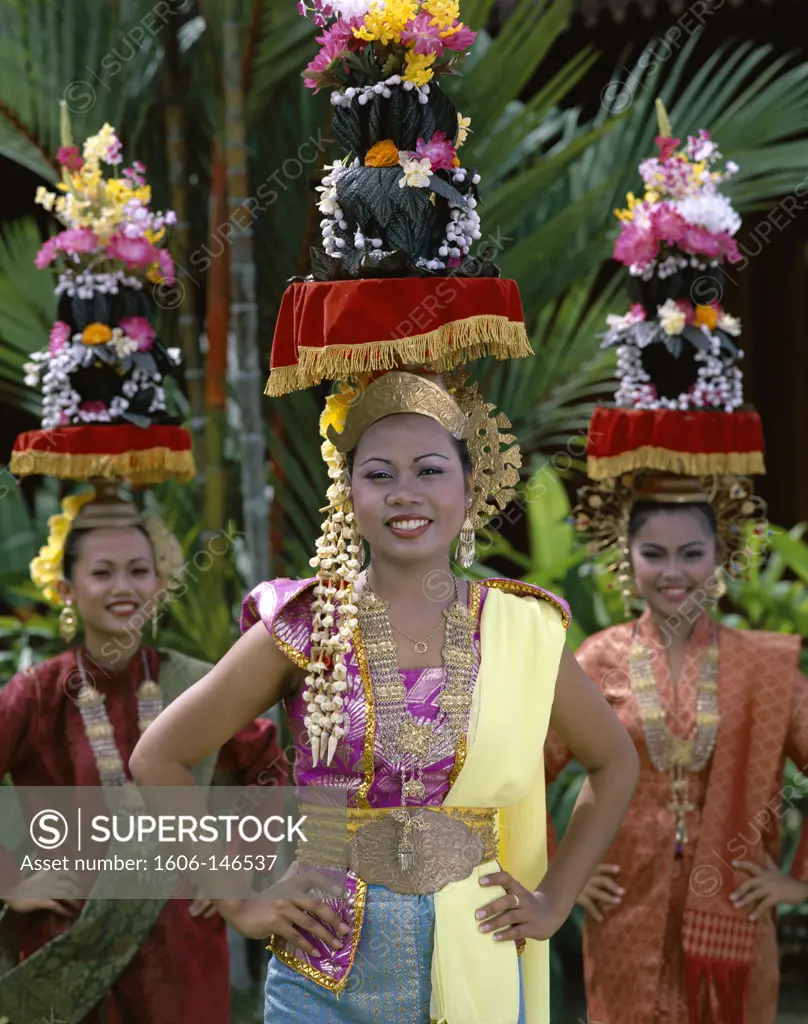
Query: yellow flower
x=628 y=213
x=46 y=568
x=383 y=154
x=443 y=12
x=385 y=20
x=463 y=129
x=706 y=316
x=96 y=334
x=652 y=197
x=45 y=198
x=419 y=67
x=337 y=406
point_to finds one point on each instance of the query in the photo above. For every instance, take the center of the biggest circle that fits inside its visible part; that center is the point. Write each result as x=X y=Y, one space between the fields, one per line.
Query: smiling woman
x=74 y=721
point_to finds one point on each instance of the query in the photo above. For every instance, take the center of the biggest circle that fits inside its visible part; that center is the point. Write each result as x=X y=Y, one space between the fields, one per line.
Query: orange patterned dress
x=634 y=959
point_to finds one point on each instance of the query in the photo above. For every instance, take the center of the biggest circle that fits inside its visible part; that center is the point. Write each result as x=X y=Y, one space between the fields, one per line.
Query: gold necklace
x=421 y=646
x=98 y=728
x=669 y=752
x=403 y=741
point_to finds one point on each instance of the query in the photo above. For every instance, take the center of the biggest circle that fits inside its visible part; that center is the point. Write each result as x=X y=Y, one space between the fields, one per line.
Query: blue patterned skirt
x=389 y=982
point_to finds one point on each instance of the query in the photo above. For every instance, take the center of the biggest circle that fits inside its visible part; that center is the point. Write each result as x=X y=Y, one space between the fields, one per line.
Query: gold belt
x=409 y=850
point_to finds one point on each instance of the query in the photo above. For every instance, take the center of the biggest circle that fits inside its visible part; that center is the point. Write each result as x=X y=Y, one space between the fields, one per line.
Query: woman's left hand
x=767 y=887
x=519 y=914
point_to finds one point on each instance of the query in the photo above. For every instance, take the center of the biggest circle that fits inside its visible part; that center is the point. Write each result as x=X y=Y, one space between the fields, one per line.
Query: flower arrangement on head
x=674 y=241
x=398 y=201
x=104 y=362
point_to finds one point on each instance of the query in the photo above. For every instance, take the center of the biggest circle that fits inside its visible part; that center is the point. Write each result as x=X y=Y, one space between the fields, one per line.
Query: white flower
x=416 y=172
x=671 y=319
x=712 y=211
x=350 y=8
x=124 y=345
x=174 y=355
x=730 y=324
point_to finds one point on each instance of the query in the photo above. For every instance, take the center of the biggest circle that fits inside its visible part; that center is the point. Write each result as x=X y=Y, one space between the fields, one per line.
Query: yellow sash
x=475 y=980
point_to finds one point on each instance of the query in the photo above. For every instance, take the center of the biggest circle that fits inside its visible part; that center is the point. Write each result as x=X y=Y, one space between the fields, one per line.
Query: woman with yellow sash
x=423 y=697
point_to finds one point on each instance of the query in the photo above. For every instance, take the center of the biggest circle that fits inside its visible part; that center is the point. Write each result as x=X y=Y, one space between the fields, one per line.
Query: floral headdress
x=104 y=363
x=89 y=510
x=676 y=345
x=677 y=432
x=105 y=366
x=380 y=315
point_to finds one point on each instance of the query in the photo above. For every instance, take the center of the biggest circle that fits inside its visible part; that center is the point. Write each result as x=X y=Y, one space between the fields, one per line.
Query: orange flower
x=706 y=316
x=456 y=162
x=383 y=154
x=96 y=334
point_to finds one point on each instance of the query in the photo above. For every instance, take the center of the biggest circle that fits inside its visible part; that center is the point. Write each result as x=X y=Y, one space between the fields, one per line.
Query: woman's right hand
x=24 y=898
x=602 y=891
x=290 y=906
x=285 y=919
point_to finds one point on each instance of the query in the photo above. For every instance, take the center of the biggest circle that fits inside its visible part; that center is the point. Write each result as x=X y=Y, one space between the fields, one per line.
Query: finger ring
x=516 y=905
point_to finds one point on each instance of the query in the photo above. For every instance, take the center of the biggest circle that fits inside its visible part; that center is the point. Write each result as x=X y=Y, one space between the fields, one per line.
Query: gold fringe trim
x=453 y=343
x=151 y=466
x=664 y=460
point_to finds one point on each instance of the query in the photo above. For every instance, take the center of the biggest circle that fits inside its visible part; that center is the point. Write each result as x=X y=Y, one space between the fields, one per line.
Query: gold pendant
x=421 y=647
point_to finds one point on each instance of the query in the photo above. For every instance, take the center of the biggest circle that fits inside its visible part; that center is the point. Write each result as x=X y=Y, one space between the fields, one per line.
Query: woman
x=401 y=727
x=74 y=720
x=683 y=903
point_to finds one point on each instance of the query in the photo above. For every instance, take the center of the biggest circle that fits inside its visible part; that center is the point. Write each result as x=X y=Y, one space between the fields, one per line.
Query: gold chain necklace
x=421 y=645
x=669 y=752
x=98 y=728
x=403 y=741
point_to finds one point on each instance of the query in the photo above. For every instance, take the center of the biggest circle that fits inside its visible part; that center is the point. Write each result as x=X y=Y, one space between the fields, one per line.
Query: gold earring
x=68 y=622
x=466 y=550
x=717 y=588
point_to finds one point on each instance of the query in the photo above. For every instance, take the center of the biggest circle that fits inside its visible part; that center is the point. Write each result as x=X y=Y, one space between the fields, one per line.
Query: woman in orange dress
x=684 y=903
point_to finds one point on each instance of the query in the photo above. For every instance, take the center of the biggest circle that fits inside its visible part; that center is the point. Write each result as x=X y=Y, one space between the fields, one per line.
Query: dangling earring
x=363 y=553
x=68 y=622
x=717 y=588
x=466 y=550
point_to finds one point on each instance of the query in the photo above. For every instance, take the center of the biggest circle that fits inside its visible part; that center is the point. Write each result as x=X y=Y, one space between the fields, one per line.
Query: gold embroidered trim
x=665 y=460
x=475 y=597
x=296 y=656
x=150 y=466
x=319 y=977
x=520 y=589
x=370 y=721
x=449 y=345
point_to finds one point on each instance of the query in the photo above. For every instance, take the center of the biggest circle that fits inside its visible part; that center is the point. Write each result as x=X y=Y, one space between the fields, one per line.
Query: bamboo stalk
x=188 y=316
x=217 y=326
x=247 y=377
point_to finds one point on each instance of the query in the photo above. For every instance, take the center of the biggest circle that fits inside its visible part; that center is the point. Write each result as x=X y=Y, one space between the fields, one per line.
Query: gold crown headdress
x=604 y=510
x=458 y=408
x=95 y=509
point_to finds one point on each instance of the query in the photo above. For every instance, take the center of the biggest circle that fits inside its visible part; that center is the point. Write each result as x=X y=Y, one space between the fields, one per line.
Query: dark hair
x=642 y=511
x=73 y=544
x=461 y=447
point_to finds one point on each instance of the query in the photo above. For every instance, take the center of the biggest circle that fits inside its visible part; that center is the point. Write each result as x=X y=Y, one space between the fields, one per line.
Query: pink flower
x=461 y=39
x=134 y=252
x=69 y=157
x=334 y=42
x=422 y=36
x=140 y=330
x=669 y=226
x=438 y=151
x=47 y=253
x=636 y=245
x=731 y=250
x=702 y=242
x=93 y=407
x=59 y=337
x=453 y=261
x=166 y=265
x=637 y=312
x=77 y=240
x=667 y=147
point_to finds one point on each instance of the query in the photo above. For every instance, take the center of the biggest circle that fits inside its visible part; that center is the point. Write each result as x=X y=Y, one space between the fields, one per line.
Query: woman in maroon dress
x=74 y=720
